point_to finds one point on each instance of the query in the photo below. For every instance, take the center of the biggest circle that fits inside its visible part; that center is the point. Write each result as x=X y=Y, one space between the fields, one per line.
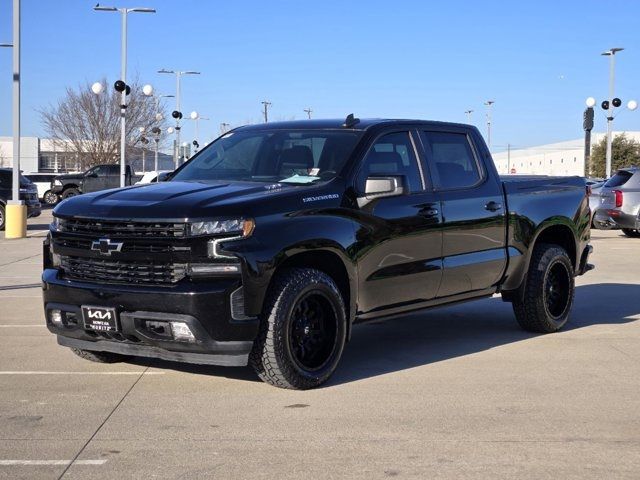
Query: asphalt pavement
x=459 y=392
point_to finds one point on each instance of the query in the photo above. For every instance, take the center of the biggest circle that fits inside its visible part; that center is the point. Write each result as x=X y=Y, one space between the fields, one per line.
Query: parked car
x=267 y=246
x=28 y=193
x=595 y=186
x=152 y=177
x=43 y=182
x=620 y=202
x=100 y=177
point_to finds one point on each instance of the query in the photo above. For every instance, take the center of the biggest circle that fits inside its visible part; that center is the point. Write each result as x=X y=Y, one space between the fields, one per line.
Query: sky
x=538 y=61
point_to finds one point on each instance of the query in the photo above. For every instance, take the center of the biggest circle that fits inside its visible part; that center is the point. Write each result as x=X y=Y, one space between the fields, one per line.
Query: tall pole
x=612 y=74
x=155 y=159
x=266 y=106
x=15 y=190
x=508 y=158
x=123 y=102
x=177 y=151
x=468 y=113
x=16 y=211
x=308 y=112
x=489 y=103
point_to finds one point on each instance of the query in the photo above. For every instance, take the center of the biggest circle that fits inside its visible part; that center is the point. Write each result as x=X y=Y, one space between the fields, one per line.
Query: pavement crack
x=19 y=260
x=103 y=423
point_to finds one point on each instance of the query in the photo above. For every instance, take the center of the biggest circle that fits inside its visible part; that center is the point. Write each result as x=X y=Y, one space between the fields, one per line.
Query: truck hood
x=184 y=201
x=69 y=176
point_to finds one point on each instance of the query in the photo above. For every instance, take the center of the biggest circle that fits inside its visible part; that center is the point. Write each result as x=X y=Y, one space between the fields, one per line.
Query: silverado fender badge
x=105 y=246
x=320 y=197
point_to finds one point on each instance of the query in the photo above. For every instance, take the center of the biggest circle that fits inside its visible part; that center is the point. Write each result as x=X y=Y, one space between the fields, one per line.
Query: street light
x=196 y=117
x=611 y=53
x=156 y=138
x=16 y=210
x=468 y=114
x=177 y=114
x=488 y=104
x=123 y=78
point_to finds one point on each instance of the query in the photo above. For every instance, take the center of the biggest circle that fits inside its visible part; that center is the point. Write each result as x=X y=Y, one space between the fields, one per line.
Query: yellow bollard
x=16 y=221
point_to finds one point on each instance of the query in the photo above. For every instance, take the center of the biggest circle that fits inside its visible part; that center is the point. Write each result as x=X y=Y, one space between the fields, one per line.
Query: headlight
x=239 y=226
x=57 y=183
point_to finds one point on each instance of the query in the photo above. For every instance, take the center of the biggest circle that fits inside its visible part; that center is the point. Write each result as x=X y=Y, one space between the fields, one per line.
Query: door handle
x=493 y=206
x=429 y=212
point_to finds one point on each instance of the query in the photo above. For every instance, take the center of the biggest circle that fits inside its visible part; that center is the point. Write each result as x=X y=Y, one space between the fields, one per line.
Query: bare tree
x=91 y=123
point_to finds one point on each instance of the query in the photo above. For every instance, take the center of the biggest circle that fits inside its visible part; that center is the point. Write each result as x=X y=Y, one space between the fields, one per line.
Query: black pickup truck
x=269 y=244
x=100 y=177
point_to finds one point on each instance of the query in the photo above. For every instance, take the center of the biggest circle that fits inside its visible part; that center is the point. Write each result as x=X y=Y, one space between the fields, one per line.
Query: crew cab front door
x=474 y=222
x=400 y=237
x=94 y=179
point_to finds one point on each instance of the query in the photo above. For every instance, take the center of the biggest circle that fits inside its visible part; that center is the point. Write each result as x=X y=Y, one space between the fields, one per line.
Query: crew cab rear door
x=474 y=222
x=401 y=235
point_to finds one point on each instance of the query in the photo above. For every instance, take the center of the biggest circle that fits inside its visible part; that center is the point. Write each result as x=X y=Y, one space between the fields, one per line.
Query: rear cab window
x=620 y=178
x=452 y=161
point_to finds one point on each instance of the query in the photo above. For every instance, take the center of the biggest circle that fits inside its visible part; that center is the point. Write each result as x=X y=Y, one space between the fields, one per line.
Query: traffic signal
x=587 y=123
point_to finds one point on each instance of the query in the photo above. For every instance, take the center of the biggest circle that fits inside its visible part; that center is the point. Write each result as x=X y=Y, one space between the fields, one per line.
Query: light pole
x=177 y=114
x=265 y=110
x=611 y=53
x=468 y=114
x=156 y=138
x=16 y=210
x=123 y=79
x=308 y=111
x=196 y=117
x=489 y=104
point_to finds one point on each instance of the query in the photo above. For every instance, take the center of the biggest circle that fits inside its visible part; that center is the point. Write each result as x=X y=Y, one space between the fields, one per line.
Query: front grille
x=99 y=228
x=85 y=244
x=119 y=271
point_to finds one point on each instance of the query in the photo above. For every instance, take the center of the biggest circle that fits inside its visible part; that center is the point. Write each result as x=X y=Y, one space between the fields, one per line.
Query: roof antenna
x=350 y=121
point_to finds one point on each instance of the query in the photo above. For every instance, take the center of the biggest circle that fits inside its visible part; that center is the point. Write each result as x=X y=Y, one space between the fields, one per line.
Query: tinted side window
x=392 y=155
x=453 y=164
x=5 y=179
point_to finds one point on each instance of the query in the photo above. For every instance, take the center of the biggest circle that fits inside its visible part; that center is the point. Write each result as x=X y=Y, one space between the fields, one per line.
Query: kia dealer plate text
x=100 y=319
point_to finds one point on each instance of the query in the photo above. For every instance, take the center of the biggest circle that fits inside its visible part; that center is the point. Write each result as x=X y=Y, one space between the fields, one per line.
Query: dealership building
x=44 y=155
x=562 y=158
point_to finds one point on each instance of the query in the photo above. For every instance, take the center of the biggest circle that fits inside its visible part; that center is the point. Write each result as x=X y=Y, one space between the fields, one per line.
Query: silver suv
x=620 y=202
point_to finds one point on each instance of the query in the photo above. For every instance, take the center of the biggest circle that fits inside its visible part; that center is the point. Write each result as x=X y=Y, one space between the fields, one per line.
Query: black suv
x=28 y=193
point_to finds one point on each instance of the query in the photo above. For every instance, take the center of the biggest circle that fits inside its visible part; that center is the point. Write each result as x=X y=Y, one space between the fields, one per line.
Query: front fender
x=279 y=238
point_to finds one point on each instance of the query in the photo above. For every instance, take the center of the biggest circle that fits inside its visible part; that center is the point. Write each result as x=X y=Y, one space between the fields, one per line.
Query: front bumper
x=204 y=306
x=611 y=218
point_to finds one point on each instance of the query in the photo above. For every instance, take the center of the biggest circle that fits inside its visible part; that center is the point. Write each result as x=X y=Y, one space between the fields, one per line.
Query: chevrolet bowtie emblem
x=106 y=247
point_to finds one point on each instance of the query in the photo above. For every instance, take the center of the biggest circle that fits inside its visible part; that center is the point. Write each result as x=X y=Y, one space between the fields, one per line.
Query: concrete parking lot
x=459 y=392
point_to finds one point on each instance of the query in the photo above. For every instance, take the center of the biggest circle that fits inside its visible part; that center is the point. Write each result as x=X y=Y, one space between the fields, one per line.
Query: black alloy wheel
x=557 y=290
x=313 y=330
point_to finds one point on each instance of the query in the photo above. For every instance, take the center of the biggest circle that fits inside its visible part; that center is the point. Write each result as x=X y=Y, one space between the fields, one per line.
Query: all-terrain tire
x=544 y=301
x=631 y=232
x=100 y=357
x=3 y=217
x=70 y=192
x=279 y=346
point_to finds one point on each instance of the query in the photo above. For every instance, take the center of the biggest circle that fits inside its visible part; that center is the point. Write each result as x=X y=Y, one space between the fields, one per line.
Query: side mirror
x=381 y=187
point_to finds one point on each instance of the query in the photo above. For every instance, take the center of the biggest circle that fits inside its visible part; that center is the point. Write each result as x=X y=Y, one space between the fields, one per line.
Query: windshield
x=296 y=157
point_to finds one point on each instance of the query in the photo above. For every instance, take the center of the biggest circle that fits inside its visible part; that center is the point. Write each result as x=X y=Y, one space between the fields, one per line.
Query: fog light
x=56 y=317
x=206 y=269
x=182 y=332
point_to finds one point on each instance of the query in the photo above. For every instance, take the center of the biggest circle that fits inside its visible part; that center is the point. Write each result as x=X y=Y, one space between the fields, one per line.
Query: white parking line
x=77 y=373
x=21 y=326
x=51 y=462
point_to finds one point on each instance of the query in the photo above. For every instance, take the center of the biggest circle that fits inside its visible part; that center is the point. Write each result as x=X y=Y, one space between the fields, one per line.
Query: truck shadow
x=443 y=334
x=418 y=339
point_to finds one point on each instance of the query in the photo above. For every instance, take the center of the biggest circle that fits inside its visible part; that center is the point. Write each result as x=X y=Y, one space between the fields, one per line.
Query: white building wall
x=562 y=158
x=29 y=153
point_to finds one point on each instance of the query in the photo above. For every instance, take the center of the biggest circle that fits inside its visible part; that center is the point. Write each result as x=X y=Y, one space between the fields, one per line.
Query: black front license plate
x=100 y=319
